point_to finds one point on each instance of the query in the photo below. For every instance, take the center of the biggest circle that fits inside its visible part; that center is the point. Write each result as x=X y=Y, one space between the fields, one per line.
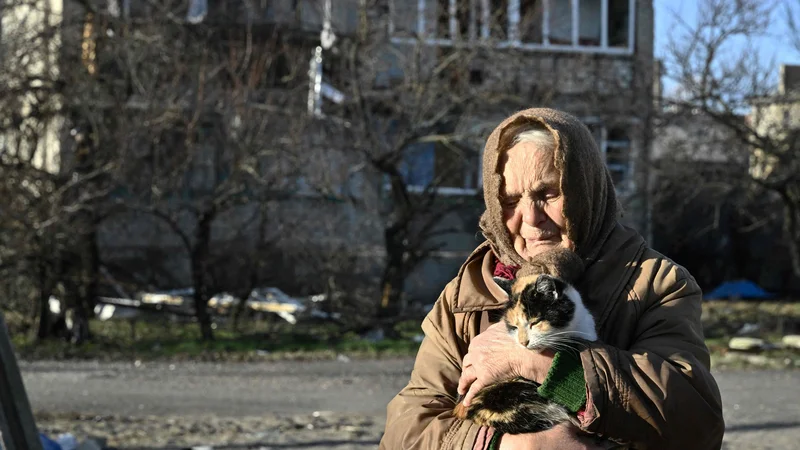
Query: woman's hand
x=495 y=356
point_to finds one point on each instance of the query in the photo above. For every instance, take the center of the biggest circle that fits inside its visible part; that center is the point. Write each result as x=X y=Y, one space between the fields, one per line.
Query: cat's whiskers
x=561 y=343
x=539 y=316
x=570 y=332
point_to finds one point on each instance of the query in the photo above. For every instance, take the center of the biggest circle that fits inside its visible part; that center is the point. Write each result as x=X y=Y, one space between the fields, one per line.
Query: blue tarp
x=743 y=289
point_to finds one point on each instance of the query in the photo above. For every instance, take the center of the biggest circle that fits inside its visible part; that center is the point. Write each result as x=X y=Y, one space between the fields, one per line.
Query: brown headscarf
x=590 y=203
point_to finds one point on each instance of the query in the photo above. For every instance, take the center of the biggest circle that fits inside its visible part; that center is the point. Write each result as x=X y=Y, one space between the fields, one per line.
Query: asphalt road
x=762 y=408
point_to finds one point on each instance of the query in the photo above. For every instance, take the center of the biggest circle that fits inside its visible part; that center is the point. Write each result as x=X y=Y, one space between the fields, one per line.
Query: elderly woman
x=646 y=381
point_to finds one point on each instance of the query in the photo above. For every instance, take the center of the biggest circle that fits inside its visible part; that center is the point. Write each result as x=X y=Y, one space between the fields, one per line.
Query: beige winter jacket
x=647 y=378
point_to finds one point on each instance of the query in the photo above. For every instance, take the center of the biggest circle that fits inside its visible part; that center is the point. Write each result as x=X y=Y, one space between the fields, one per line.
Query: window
x=404 y=19
x=594 y=26
x=442 y=165
x=560 y=23
x=615 y=146
x=495 y=20
x=619 y=21
x=590 y=22
x=618 y=157
x=531 y=25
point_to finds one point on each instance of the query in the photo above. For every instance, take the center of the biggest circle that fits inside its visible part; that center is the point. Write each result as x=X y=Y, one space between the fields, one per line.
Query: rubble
x=746 y=344
x=791 y=341
x=181 y=302
x=219 y=432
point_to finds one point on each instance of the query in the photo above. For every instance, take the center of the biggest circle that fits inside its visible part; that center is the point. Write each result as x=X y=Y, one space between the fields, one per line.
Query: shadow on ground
x=762 y=426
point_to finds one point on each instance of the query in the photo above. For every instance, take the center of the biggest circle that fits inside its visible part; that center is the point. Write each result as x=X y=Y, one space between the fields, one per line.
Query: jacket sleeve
x=420 y=416
x=659 y=393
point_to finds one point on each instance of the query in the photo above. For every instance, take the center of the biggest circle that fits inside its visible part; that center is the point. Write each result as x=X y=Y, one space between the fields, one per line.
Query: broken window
x=618 y=157
x=524 y=23
x=443 y=19
x=442 y=164
x=418 y=164
x=531 y=14
x=615 y=145
x=560 y=22
x=465 y=19
x=618 y=23
x=590 y=22
x=403 y=16
x=262 y=58
x=455 y=19
x=498 y=20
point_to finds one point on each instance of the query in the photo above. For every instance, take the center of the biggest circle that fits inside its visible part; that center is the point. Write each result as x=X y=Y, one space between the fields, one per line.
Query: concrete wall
x=29 y=46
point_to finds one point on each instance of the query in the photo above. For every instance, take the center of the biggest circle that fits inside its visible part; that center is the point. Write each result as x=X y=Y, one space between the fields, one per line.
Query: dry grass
x=770 y=321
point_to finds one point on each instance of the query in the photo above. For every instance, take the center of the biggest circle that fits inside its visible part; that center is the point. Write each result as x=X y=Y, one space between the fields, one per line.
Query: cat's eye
x=534 y=323
x=511 y=328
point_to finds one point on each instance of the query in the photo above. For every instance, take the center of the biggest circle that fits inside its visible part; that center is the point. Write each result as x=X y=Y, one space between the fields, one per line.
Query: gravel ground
x=308 y=405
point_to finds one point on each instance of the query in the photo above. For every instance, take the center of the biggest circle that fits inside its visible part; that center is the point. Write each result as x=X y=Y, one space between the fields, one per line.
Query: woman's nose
x=532 y=214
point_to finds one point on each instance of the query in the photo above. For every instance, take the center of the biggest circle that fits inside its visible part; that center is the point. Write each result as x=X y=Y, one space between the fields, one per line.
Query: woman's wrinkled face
x=533 y=206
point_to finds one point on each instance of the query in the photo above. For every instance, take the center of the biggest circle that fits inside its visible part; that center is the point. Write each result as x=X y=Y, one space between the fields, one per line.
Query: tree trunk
x=244 y=295
x=44 y=329
x=90 y=268
x=200 y=255
x=393 y=280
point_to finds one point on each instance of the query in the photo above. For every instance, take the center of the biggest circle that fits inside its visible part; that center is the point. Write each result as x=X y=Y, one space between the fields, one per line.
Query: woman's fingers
x=474 y=388
x=467 y=361
x=468 y=377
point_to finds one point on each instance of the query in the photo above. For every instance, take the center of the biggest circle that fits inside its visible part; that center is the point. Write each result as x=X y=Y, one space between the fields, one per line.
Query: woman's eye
x=509 y=202
x=551 y=194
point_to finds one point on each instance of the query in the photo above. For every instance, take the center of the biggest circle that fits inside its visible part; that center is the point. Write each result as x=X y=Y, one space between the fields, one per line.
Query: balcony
x=302 y=15
x=572 y=26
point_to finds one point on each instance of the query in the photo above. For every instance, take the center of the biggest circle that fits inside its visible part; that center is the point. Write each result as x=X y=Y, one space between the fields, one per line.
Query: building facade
x=775 y=116
x=592 y=58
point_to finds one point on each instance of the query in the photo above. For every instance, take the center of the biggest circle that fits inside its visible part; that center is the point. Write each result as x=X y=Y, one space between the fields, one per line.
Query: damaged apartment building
x=592 y=58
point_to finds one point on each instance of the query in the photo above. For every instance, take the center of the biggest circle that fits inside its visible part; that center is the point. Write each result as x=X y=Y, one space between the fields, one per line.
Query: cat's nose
x=524 y=342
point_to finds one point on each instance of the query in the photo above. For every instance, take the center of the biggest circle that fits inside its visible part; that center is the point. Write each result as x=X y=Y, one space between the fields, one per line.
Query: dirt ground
x=307 y=405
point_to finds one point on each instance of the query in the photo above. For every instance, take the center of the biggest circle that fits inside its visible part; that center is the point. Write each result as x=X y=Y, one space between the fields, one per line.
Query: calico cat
x=542 y=312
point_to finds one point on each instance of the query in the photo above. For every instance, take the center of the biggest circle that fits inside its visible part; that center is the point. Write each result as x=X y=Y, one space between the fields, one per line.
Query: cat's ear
x=504 y=284
x=550 y=285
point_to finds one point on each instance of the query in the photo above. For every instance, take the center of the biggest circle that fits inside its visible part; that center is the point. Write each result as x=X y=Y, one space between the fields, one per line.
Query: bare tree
x=51 y=205
x=416 y=114
x=387 y=126
x=206 y=131
x=722 y=78
x=192 y=124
